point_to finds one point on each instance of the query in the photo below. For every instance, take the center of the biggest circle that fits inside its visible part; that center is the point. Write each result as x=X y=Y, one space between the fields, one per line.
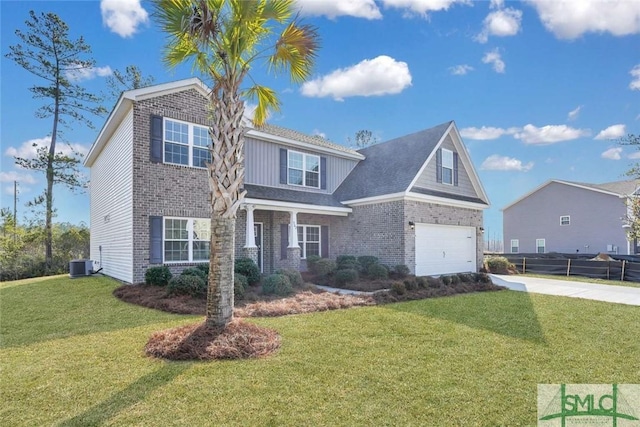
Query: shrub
x=366 y=261
x=401 y=270
x=187 y=285
x=348 y=275
x=294 y=276
x=203 y=267
x=248 y=268
x=482 y=278
x=398 y=288
x=240 y=285
x=422 y=282
x=465 y=277
x=311 y=262
x=325 y=267
x=434 y=282
x=193 y=271
x=345 y=262
x=446 y=280
x=277 y=284
x=454 y=279
x=411 y=284
x=378 y=271
x=499 y=265
x=158 y=276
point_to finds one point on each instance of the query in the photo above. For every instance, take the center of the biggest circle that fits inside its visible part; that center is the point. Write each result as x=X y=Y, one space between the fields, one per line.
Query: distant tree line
x=22 y=253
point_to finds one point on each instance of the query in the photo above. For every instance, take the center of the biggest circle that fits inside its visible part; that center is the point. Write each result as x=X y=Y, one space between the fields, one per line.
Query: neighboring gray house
x=414 y=200
x=569 y=217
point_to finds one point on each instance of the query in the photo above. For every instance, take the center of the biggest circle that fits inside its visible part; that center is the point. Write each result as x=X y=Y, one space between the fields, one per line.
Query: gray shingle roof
x=299 y=136
x=390 y=166
x=292 y=196
x=622 y=188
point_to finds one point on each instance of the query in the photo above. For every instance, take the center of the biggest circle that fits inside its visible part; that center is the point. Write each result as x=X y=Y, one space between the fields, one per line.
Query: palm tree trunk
x=226 y=180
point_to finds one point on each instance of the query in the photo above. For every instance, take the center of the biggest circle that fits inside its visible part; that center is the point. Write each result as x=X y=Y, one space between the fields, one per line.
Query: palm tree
x=224 y=39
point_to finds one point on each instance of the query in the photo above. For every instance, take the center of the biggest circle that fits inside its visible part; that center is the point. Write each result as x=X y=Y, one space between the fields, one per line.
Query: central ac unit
x=80 y=268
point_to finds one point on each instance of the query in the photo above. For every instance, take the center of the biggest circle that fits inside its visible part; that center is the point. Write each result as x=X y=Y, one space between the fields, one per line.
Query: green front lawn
x=72 y=355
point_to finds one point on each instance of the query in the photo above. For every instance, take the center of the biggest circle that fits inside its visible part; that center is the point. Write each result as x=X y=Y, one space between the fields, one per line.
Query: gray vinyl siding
x=428 y=178
x=594 y=220
x=262 y=166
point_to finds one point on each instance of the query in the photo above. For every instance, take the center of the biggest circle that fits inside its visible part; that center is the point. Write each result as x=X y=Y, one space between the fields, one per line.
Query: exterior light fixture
x=412 y=225
x=482 y=230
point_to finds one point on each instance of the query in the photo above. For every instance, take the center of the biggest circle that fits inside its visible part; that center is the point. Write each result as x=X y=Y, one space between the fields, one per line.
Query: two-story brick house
x=414 y=200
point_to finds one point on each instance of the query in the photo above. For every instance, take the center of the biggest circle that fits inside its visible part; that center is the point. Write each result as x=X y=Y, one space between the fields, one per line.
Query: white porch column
x=250 y=241
x=293 y=229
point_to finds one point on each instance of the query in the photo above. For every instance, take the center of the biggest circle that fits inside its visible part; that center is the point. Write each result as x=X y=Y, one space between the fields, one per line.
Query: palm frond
x=267 y=100
x=295 y=51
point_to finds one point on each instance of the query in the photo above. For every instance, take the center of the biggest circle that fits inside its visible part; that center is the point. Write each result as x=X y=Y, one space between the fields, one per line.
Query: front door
x=257 y=231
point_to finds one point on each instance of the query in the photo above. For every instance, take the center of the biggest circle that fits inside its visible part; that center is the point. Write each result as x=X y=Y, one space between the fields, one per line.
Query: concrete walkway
x=593 y=291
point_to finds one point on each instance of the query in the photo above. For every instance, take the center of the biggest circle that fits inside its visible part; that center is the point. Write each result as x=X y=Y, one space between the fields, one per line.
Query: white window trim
x=544 y=246
x=443 y=166
x=303 y=243
x=304 y=169
x=190 y=143
x=516 y=245
x=568 y=220
x=190 y=227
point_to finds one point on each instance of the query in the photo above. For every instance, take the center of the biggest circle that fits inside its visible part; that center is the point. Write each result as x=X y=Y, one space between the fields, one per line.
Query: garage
x=444 y=249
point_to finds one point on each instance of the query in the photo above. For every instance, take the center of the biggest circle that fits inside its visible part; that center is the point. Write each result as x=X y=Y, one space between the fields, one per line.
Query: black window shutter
x=324 y=241
x=439 y=165
x=156 y=139
x=455 y=169
x=284 y=240
x=323 y=173
x=283 y=166
x=155 y=240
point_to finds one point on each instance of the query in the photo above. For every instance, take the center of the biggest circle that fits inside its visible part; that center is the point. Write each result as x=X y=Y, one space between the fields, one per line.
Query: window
x=565 y=220
x=186 y=240
x=540 y=246
x=303 y=169
x=309 y=240
x=447 y=166
x=515 y=246
x=186 y=144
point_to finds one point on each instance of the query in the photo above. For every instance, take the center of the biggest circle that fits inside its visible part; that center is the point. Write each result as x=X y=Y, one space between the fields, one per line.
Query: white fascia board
x=168 y=89
x=416 y=197
x=274 y=205
x=429 y=158
x=299 y=144
x=475 y=179
x=376 y=199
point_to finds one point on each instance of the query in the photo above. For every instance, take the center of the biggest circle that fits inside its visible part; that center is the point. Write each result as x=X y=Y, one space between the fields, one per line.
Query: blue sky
x=539 y=89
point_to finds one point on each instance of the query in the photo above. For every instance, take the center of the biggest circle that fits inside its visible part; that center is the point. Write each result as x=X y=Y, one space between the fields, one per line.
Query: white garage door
x=444 y=249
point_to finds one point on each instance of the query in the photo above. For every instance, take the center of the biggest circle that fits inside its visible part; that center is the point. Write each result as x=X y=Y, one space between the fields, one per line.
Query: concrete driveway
x=593 y=291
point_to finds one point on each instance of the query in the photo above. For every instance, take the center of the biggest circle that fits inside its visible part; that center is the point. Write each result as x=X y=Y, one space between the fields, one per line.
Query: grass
x=584 y=279
x=72 y=355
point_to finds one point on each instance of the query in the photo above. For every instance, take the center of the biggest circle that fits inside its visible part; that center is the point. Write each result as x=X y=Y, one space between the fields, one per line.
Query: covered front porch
x=277 y=234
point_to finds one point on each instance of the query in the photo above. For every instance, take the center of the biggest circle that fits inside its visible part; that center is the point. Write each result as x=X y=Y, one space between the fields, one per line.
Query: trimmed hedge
x=348 y=275
x=158 y=276
x=248 y=268
x=240 y=285
x=294 y=276
x=195 y=286
x=377 y=271
x=277 y=284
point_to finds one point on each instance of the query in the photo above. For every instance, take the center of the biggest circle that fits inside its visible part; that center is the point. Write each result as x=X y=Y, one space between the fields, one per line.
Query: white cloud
x=460 y=70
x=28 y=149
x=612 y=154
x=612 y=132
x=423 y=7
x=503 y=163
x=501 y=23
x=571 y=19
x=493 y=57
x=372 y=77
x=549 y=134
x=635 y=155
x=333 y=8
x=316 y=132
x=635 y=81
x=573 y=114
x=79 y=74
x=483 y=133
x=123 y=17
x=24 y=177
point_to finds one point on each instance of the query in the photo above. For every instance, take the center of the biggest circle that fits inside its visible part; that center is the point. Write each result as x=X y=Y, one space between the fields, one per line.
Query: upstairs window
x=303 y=169
x=186 y=144
x=447 y=166
x=565 y=220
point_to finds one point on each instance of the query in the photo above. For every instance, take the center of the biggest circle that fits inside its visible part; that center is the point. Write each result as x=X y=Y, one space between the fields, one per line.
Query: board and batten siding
x=111 y=201
x=428 y=178
x=262 y=161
